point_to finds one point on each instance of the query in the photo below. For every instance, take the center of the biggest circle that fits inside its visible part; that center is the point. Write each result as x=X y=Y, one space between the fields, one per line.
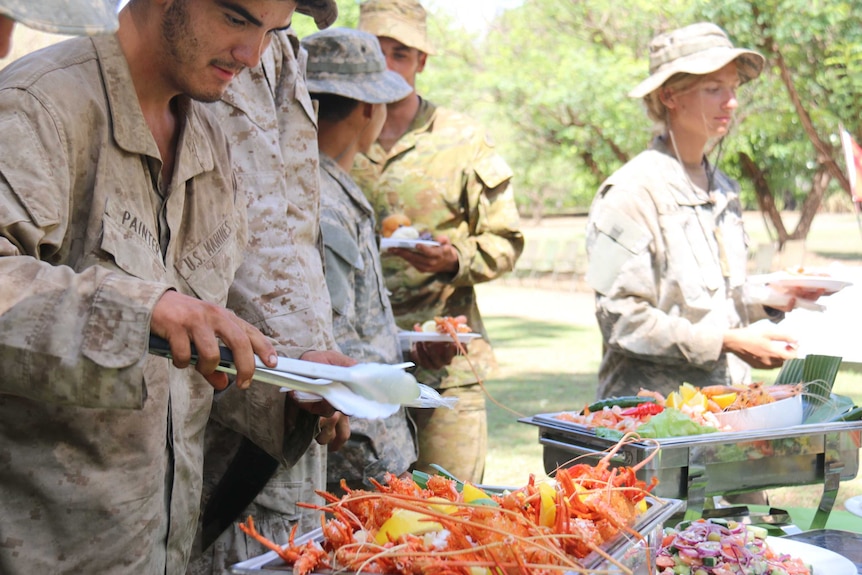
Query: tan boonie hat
x=402 y=20
x=696 y=49
x=324 y=12
x=349 y=63
x=72 y=17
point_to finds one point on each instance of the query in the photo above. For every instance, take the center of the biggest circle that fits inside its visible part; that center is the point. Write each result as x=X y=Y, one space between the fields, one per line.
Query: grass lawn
x=548 y=366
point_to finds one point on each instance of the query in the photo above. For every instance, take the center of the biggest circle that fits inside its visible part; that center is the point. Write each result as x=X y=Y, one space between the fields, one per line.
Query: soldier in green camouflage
x=347 y=75
x=73 y=17
x=439 y=168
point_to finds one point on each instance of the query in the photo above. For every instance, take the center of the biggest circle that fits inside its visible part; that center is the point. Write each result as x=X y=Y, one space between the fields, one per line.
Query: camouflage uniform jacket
x=363 y=325
x=101 y=444
x=446 y=176
x=280 y=288
x=668 y=264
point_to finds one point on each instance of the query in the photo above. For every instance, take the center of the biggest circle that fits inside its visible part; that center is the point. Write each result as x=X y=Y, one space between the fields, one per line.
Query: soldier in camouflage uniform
x=72 y=17
x=665 y=238
x=280 y=288
x=439 y=168
x=119 y=215
x=347 y=75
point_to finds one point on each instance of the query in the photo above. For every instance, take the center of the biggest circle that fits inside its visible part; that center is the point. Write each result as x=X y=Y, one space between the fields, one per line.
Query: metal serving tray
x=696 y=466
x=624 y=550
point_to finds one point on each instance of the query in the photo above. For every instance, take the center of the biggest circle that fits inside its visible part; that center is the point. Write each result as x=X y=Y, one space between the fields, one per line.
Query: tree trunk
x=764 y=196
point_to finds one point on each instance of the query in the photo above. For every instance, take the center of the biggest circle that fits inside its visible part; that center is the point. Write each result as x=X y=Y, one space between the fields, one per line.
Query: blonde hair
x=656 y=110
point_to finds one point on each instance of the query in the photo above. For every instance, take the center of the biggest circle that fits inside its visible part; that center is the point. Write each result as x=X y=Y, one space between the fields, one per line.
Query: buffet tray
x=696 y=466
x=624 y=550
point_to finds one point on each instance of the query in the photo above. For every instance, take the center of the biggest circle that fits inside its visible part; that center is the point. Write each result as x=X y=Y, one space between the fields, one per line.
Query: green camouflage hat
x=349 y=63
x=402 y=20
x=700 y=49
x=72 y=17
x=324 y=12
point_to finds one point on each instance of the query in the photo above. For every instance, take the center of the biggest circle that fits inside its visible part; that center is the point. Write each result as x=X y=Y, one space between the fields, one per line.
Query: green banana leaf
x=817 y=374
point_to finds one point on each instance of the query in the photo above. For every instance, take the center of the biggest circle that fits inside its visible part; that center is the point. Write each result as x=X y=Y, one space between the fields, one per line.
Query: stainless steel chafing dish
x=695 y=467
x=623 y=552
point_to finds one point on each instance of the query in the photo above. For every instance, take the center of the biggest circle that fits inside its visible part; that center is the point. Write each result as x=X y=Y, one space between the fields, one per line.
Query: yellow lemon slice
x=548 y=510
x=725 y=399
x=471 y=493
x=687 y=391
x=402 y=522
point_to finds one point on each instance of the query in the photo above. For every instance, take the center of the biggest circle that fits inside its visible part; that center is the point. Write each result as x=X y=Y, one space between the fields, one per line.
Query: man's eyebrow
x=239 y=10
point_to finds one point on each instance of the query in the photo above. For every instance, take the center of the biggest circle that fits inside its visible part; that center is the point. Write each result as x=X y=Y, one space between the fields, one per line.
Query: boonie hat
x=403 y=20
x=349 y=63
x=72 y=17
x=699 y=49
x=324 y=12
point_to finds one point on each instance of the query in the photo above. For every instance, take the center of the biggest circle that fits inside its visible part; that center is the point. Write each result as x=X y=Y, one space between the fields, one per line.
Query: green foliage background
x=550 y=78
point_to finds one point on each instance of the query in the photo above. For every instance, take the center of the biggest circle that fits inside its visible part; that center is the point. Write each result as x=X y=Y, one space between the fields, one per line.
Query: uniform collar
x=347 y=184
x=130 y=129
x=422 y=122
x=684 y=191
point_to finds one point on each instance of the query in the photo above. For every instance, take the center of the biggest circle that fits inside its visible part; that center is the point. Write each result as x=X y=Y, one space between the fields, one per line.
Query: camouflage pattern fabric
x=456 y=439
x=101 y=443
x=668 y=264
x=73 y=17
x=350 y=63
x=324 y=12
x=280 y=288
x=363 y=327
x=445 y=175
x=402 y=20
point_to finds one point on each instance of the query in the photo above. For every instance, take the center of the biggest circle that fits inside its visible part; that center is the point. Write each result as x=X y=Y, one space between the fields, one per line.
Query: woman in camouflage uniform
x=665 y=238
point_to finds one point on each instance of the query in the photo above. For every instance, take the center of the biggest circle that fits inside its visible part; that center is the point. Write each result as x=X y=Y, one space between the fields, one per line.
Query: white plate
x=829 y=285
x=386 y=243
x=854 y=505
x=410 y=337
x=821 y=560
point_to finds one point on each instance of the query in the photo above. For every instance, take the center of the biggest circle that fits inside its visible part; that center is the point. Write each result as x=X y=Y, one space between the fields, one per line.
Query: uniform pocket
x=343 y=261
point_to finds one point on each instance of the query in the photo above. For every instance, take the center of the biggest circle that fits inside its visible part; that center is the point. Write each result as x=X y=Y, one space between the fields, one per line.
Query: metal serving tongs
x=367 y=390
x=775 y=517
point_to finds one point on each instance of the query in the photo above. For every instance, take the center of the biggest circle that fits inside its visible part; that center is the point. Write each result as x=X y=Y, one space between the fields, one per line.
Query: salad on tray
x=718 y=547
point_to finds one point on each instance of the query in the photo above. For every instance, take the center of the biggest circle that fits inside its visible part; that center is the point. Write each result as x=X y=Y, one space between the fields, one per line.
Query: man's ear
x=367 y=110
x=423 y=57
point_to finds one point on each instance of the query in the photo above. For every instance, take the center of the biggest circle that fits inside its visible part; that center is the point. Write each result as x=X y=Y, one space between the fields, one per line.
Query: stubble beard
x=182 y=47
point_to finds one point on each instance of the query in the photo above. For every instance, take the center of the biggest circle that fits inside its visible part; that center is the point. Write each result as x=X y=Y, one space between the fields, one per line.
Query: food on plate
x=392 y=222
x=690 y=410
x=801 y=271
x=446 y=325
x=399 y=227
x=717 y=547
x=435 y=524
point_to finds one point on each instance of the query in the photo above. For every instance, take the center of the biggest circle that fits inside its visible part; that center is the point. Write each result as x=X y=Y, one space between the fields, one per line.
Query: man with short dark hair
x=119 y=217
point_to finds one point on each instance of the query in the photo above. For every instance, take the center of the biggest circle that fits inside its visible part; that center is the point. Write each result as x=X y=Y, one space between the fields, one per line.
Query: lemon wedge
x=402 y=522
x=548 y=509
x=724 y=400
x=471 y=493
x=687 y=391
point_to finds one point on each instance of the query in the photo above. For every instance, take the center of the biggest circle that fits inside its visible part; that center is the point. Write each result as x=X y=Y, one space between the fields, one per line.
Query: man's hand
x=334 y=431
x=183 y=320
x=433 y=355
x=322 y=407
x=763 y=349
x=431 y=259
